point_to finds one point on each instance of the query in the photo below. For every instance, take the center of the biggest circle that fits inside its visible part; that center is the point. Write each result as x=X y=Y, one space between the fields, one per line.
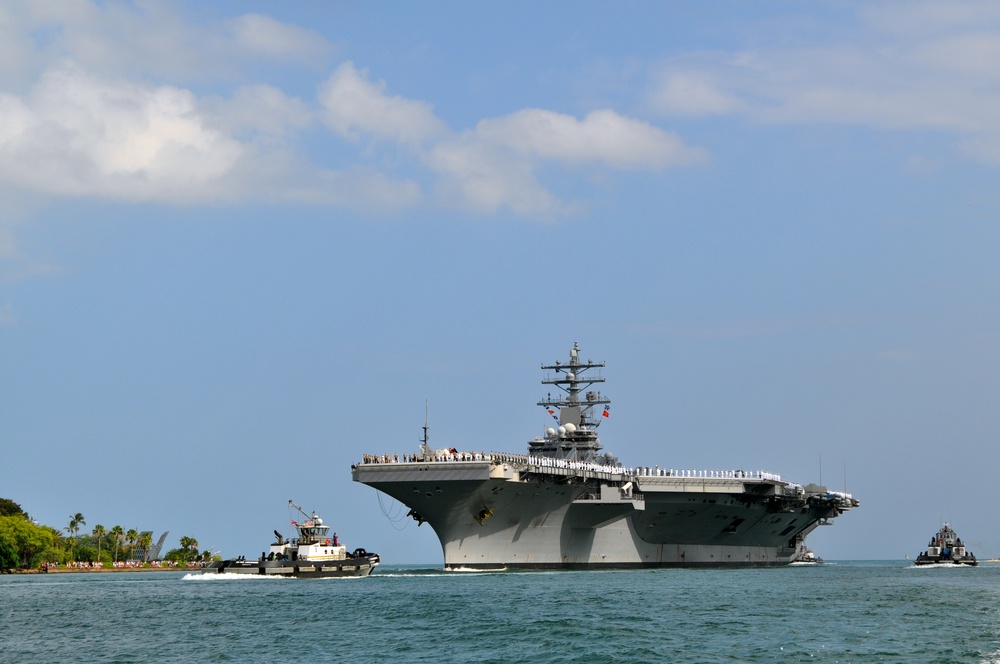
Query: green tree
x=9 y=508
x=75 y=522
x=145 y=541
x=60 y=544
x=8 y=555
x=83 y=553
x=117 y=532
x=130 y=538
x=187 y=552
x=26 y=539
x=98 y=533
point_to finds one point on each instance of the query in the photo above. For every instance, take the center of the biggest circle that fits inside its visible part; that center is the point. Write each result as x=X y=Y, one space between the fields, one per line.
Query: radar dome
x=562 y=431
x=570 y=427
x=550 y=431
x=570 y=375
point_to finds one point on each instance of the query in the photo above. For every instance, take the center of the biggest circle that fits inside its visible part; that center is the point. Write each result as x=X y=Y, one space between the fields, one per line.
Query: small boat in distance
x=946 y=548
x=806 y=557
x=314 y=554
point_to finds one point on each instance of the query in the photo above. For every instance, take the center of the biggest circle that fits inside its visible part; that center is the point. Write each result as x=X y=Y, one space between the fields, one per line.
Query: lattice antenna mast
x=571 y=379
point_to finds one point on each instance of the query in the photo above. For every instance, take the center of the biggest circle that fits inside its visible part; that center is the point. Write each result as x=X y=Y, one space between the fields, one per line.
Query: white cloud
x=84 y=111
x=933 y=68
x=486 y=178
x=149 y=38
x=78 y=135
x=930 y=17
x=285 y=177
x=496 y=164
x=260 y=111
x=75 y=134
x=356 y=107
x=692 y=93
x=16 y=49
x=263 y=35
x=603 y=136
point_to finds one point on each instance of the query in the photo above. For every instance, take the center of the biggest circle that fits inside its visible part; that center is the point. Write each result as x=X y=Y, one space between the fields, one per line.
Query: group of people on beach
x=118 y=564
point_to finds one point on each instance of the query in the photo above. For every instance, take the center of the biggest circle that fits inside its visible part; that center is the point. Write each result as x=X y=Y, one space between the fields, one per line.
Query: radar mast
x=576 y=437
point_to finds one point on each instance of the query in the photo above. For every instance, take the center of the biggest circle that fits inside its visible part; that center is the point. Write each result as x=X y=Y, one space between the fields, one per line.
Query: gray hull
x=502 y=513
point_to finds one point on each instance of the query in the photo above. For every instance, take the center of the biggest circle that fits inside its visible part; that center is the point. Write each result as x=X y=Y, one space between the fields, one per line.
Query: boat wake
x=455 y=572
x=199 y=576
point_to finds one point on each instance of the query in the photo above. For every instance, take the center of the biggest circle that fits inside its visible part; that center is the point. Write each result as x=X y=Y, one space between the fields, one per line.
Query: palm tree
x=75 y=522
x=131 y=536
x=190 y=546
x=145 y=541
x=117 y=533
x=98 y=533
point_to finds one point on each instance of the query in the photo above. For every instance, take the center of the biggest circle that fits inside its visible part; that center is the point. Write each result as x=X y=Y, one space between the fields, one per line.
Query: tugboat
x=314 y=554
x=805 y=556
x=946 y=547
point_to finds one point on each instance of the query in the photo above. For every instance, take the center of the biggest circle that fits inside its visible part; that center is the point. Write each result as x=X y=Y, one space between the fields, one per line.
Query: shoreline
x=105 y=570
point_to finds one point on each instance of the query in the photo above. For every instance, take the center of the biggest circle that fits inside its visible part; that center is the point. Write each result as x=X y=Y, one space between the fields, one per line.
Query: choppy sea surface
x=834 y=612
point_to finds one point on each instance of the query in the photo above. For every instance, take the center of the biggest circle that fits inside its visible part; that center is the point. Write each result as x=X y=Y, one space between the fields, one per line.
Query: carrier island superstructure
x=566 y=505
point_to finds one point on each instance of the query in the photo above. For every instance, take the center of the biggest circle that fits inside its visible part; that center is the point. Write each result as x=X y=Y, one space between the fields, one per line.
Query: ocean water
x=835 y=612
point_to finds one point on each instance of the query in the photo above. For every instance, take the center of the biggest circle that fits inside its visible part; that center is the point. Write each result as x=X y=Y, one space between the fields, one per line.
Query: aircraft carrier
x=564 y=504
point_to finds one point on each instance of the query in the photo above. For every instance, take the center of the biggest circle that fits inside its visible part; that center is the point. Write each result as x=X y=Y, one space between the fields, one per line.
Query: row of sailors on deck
x=550 y=462
x=646 y=471
x=440 y=456
x=661 y=472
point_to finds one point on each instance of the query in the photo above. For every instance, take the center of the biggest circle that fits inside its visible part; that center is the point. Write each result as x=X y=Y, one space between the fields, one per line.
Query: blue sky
x=241 y=246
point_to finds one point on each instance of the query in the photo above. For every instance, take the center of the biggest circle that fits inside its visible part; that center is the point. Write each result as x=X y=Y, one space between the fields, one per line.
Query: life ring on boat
x=328 y=542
